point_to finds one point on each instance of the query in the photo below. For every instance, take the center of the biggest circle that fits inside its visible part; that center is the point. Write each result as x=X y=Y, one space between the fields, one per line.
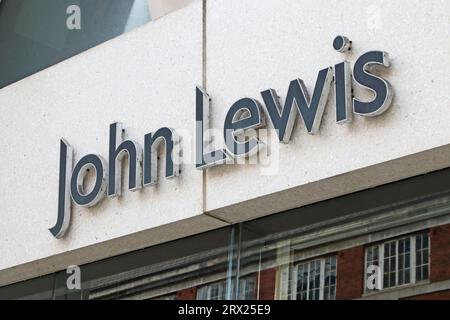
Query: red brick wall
x=442 y=295
x=440 y=253
x=187 y=294
x=267 y=284
x=350 y=273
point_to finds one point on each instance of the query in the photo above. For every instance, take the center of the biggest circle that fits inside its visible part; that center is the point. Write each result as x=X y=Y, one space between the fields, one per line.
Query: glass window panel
x=403 y=261
x=419 y=273
x=392 y=279
x=370 y=254
x=425 y=241
x=422 y=258
x=330 y=278
x=247 y=288
x=397 y=265
x=386 y=280
x=308 y=279
x=425 y=273
x=372 y=258
x=393 y=264
x=418 y=242
x=407 y=277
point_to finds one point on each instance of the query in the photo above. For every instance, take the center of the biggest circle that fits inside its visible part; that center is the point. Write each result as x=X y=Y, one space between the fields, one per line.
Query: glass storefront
x=294 y=255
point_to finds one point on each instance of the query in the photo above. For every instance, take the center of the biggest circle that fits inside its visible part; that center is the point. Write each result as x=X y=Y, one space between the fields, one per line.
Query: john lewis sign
x=243 y=116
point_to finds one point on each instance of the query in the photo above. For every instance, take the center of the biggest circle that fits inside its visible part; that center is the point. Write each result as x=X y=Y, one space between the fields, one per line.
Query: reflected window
x=329 y=288
x=287 y=256
x=401 y=262
x=422 y=256
x=315 y=280
x=247 y=287
x=218 y=290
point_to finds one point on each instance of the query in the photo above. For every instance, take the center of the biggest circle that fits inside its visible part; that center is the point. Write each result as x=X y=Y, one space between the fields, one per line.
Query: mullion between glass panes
x=307 y=283
x=412 y=259
x=311 y=279
x=396 y=255
x=327 y=278
x=293 y=290
x=321 y=278
x=386 y=258
x=367 y=263
x=381 y=264
x=401 y=258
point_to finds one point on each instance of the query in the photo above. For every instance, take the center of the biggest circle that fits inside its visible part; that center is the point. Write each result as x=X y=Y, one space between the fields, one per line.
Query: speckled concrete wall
x=145 y=79
x=266 y=44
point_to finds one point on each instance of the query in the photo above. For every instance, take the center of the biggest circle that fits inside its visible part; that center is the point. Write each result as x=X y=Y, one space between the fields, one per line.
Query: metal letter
x=65 y=171
x=204 y=160
x=116 y=155
x=83 y=166
x=382 y=88
x=343 y=86
x=243 y=115
x=151 y=145
x=311 y=110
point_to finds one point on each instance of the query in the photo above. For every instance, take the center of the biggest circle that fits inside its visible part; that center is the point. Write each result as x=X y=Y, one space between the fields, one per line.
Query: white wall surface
x=255 y=45
x=146 y=79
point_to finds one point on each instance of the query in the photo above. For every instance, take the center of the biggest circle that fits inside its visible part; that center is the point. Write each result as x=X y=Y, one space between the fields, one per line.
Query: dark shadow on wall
x=34 y=35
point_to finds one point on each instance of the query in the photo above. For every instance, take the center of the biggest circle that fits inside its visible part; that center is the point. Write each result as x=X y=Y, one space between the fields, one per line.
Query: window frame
x=322 y=268
x=412 y=257
x=221 y=286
